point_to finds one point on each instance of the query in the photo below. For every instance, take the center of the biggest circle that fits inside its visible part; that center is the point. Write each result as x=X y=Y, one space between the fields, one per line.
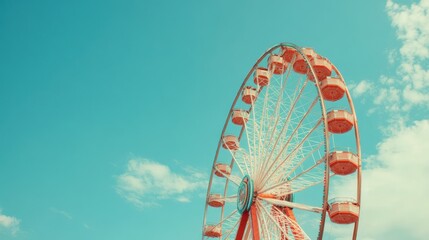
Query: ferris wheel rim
x=358 y=147
x=324 y=120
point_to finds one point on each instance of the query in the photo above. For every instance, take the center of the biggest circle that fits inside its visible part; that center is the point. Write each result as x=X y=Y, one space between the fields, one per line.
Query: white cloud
x=392 y=55
x=411 y=87
x=146 y=182
x=8 y=224
x=411 y=28
x=395 y=188
x=362 y=87
x=414 y=96
x=183 y=199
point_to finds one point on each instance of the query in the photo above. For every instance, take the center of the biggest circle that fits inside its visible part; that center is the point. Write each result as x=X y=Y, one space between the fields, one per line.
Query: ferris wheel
x=289 y=142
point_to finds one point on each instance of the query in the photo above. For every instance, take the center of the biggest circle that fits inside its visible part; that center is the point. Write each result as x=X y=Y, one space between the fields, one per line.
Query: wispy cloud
x=61 y=212
x=412 y=29
x=86 y=226
x=68 y=216
x=9 y=224
x=145 y=183
x=361 y=88
x=409 y=88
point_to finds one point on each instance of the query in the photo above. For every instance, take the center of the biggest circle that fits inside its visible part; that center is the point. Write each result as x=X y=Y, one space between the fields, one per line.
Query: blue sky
x=91 y=90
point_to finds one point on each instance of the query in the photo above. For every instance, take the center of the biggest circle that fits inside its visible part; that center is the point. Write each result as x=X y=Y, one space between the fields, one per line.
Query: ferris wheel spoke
x=288 y=186
x=277 y=115
x=253 y=133
x=259 y=123
x=299 y=125
x=286 y=123
x=266 y=232
x=270 y=221
x=288 y=113
x=234 y=179
x=297 y=162
x=307 y=170
x=281 y=138
x=306 y=184
x=242 y=165
x=284 y=203
x=251 y=158
x=231 y=199
x=298 y=146
x=283 y=223
x=259 y=128
x=227 y=222
x=263 y=120
x=302 y=160
x=227 y=218
x=233 y=229
x=253 y=144
x=228 y=199
x=286 y=144
x=283 y=84
x=309 y=184
x=245 y=161
x=287 y=218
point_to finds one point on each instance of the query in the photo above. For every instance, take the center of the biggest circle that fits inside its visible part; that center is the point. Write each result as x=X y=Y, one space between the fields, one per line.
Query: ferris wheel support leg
x=255 y=225
x=242 y=226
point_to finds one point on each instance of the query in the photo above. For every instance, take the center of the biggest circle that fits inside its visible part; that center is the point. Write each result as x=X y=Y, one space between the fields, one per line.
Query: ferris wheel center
x=245 y=194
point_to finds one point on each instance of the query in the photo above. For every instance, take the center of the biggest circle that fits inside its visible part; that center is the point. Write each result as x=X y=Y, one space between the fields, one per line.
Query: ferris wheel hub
x=245 y=194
